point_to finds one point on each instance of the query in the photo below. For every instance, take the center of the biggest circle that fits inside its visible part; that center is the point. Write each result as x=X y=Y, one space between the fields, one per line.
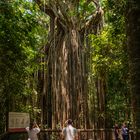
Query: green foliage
x=21 y=36
x=118 y=84
x=108 y=59
x=23 y=33
x=115 y=15
x=86 y=9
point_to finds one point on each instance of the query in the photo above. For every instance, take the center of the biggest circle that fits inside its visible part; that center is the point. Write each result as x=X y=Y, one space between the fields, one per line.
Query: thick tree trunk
x=67 y=92
x=133 y=36
x=66 y=85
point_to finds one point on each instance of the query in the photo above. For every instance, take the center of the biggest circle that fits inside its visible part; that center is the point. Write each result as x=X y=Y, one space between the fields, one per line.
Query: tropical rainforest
x=77 y=59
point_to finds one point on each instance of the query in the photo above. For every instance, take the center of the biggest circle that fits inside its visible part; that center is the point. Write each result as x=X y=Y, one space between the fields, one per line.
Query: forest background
x=66 y=59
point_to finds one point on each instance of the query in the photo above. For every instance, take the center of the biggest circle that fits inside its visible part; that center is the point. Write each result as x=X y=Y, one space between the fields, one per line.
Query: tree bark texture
x=133 y=36
x=66 y=91
x=67 y=78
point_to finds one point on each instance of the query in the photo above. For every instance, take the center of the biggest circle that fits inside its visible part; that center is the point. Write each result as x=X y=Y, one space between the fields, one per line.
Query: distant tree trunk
x=101 y=95
x=101 y=103
x=133 y=36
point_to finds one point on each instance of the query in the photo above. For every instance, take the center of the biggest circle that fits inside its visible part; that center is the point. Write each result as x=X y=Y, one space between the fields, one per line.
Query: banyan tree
x=65 y=80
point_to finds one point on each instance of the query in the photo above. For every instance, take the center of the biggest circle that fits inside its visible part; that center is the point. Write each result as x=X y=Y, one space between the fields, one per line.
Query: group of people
x=124 y=132
x=68 y=132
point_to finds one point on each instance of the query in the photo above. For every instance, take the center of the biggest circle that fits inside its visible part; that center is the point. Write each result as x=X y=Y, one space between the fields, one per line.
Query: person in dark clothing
x=125 y=132
x=116 y=132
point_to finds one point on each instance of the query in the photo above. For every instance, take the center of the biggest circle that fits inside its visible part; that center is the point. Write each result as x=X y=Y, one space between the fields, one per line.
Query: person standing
x=32 y=131
x=69 y=132
x=125 y=132
x=116 y=132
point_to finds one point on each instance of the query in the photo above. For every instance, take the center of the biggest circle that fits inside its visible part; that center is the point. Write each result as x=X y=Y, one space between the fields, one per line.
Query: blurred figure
x=125 y=132
x=116 y=131
x=69 y=132
x=32 y=131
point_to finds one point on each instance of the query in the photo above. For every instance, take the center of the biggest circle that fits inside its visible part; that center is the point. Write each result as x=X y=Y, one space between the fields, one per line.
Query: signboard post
x=18 y=121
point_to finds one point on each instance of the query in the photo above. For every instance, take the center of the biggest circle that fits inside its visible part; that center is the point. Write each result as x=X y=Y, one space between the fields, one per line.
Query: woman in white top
x=33 y=130
x=69 y=132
